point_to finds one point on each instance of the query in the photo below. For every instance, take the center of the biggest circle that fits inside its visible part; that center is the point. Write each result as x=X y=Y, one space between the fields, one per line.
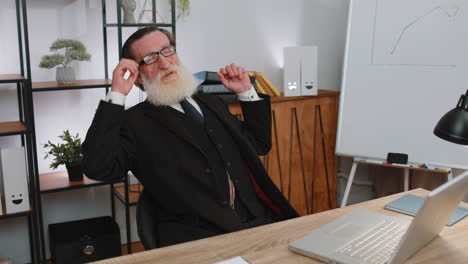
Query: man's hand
x=235 y=78
x=119 y=84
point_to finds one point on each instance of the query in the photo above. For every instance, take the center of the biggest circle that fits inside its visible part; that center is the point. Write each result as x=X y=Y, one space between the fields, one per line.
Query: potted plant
x=183 y=8
x=74 y=50
x=68 y=153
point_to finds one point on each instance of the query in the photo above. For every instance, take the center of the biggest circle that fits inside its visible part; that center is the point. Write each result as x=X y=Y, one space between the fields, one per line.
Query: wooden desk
x=269 y=244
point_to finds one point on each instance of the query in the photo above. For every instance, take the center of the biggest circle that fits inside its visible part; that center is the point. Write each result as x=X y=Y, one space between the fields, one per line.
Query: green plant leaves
x=67 y=43
x=67 y=152
x=80 y=55
x=50 y=61
x=74 y=50
x=183 y=8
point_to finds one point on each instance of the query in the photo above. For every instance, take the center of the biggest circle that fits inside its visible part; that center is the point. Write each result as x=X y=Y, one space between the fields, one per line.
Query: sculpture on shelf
x=128 y=7
x=68 y=154
x=74 y=50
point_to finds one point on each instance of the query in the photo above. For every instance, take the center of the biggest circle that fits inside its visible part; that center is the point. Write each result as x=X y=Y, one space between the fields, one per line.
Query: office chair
x=146 y=217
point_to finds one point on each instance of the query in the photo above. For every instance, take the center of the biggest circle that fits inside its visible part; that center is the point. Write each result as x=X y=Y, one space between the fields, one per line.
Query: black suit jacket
x=162 y=154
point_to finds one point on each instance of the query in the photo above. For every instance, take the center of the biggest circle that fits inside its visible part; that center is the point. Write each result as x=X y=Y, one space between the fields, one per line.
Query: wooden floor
x=136 y=247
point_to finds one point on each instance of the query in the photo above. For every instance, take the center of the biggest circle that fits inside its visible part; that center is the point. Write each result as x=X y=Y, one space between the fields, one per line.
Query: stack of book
x=263 y=84
x=208 y=82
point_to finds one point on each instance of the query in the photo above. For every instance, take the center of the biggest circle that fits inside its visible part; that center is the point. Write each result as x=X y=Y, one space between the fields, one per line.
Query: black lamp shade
x=453 y=126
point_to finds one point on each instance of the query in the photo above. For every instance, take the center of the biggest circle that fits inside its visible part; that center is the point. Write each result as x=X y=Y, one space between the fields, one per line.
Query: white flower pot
x=65 y=75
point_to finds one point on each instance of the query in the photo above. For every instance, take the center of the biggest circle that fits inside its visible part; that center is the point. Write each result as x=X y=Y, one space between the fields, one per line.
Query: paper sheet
x=236 y=260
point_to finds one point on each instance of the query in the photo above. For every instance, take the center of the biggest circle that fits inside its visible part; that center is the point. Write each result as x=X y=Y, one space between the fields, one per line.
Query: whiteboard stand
x=348 y=185
x=406 y=168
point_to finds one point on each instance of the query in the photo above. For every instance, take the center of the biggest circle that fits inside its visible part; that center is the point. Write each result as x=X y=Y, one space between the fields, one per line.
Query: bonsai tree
x=74 y=50
x=66 y=153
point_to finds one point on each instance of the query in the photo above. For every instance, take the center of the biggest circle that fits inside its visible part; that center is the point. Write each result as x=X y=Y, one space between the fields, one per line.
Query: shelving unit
x=79 y=84
x=20 y=128
x=134 y=191
x=5 y=215
x=24 y=128
x=12 y=128
x=58 y=181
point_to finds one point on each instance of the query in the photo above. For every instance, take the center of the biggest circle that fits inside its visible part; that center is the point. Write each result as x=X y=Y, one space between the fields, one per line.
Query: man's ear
x=139 y=82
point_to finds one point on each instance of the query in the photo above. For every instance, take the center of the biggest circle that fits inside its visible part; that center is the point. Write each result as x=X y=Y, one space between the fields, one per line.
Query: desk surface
x=269 y=244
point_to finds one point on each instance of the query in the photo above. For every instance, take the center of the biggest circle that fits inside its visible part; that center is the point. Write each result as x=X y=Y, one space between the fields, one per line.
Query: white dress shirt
x=248 y=96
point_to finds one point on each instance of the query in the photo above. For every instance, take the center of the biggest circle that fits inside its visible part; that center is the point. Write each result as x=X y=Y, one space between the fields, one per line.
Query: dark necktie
x=191 y=111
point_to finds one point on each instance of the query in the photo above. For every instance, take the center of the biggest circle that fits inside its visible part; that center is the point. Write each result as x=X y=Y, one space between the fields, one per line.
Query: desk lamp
x=453 y=126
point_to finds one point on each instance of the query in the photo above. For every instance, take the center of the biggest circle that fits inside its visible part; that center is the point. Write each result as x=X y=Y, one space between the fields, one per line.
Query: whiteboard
x=406 y=65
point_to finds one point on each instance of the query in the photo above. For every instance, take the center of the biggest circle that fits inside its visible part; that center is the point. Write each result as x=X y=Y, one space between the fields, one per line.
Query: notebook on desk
x=368 y=237
x=410 y=204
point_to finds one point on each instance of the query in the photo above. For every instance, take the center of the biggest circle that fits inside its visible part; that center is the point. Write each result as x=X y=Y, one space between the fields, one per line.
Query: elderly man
x=199 y=163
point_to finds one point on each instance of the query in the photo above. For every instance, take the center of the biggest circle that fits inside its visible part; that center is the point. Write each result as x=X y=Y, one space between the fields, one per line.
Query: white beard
x=171 y=92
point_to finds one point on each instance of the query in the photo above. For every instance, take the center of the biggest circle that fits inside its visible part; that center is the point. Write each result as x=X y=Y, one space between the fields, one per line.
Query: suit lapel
x=218 y=109
x=165 y=116
x=215 y=107
x=225 y=118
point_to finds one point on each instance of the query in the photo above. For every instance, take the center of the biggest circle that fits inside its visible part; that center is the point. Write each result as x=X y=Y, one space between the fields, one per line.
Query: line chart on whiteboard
x=423 y=34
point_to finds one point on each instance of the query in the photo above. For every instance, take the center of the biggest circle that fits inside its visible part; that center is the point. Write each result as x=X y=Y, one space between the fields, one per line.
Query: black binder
x=210 y=83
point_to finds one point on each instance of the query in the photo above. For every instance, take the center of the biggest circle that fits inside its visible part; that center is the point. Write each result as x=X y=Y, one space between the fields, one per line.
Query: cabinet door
x=302 y=160
x=322 y=135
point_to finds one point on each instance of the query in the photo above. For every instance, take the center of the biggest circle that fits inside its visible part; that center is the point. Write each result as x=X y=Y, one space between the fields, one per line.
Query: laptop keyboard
x=376 y=245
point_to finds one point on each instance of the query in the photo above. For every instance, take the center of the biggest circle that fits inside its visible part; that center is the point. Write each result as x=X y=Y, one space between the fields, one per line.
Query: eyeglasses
x=154 y=56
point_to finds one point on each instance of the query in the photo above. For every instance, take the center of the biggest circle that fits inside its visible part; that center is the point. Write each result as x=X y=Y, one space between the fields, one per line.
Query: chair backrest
x=146 y=217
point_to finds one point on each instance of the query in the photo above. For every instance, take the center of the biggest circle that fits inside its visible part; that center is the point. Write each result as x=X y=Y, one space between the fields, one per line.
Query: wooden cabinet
x=302 y=160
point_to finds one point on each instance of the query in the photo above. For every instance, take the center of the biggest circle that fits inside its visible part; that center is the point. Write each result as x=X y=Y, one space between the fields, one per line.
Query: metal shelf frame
x=25 y=213
x=25 y=110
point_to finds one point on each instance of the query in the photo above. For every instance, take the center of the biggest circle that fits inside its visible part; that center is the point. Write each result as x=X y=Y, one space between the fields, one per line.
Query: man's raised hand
x=119 y=84
x=235 y=78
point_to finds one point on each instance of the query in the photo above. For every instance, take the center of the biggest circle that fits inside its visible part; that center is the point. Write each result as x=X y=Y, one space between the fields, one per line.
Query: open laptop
x=368 y=237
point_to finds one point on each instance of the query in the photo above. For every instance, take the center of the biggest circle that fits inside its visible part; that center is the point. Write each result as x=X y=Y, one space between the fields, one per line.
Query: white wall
x=248 y=33
x=251 y=33
x=324 y=25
